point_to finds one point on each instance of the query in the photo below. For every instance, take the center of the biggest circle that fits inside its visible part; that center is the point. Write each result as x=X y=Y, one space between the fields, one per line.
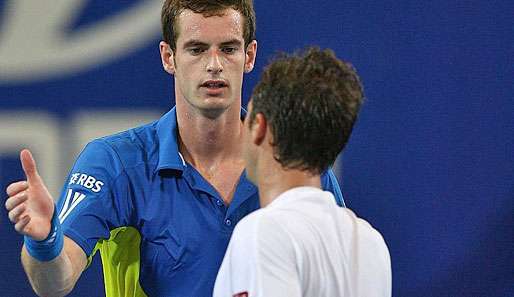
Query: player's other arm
x=53 y=263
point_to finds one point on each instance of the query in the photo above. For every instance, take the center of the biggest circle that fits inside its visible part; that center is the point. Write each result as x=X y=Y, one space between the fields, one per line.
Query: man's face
x=209 y=60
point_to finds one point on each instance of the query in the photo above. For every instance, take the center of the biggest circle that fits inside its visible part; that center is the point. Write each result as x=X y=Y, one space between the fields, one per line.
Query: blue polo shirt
x=161 y=228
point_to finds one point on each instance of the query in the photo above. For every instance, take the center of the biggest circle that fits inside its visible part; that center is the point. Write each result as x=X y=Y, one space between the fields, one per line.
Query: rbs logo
x=87 y=181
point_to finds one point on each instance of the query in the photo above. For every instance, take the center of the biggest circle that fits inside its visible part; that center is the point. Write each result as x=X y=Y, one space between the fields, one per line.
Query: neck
x=278 y=180
x=206 y=141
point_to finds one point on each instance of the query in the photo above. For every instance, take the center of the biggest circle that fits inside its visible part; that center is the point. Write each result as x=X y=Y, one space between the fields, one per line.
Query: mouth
x=214 y=84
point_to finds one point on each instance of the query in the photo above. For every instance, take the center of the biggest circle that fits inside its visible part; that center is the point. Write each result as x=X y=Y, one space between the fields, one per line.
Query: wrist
x=50 y=247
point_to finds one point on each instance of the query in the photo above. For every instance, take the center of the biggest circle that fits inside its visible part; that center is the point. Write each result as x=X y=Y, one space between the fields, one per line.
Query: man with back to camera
x=301 y=243
x=159 y=201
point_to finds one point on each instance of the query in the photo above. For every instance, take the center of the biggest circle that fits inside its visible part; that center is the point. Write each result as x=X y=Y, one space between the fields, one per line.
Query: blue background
x=431 y=160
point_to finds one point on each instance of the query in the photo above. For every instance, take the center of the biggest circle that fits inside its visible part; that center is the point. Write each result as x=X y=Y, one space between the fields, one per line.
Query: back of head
x=311 y=101
x=171 y=9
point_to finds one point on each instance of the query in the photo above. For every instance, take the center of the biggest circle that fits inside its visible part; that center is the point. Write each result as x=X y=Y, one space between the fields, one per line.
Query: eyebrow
x=236 y=42
x=194 y=42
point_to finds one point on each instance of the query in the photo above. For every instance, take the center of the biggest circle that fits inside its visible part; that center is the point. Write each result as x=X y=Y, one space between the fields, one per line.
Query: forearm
x=52 y=262
x=56 y=277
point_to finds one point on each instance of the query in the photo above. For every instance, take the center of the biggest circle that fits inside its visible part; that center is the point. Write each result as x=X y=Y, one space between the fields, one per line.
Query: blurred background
x=430 y=163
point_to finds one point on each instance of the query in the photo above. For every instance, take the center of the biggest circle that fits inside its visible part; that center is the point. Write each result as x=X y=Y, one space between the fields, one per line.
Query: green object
x=120 y=262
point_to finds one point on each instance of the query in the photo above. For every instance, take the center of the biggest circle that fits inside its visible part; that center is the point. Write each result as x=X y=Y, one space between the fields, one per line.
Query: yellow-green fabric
x=120 y=262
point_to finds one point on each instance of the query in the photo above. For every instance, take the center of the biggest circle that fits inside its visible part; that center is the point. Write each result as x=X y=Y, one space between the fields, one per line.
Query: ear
x=259 y=129
x=167 y=57
x=251 y=53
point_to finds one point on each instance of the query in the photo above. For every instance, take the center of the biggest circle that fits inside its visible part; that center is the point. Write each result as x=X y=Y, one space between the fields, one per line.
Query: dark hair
x=171 y=9
x=310 y=100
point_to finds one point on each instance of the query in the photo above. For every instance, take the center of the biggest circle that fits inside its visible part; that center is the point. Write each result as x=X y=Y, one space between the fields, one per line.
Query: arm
x=32 y=210
x=56 y=277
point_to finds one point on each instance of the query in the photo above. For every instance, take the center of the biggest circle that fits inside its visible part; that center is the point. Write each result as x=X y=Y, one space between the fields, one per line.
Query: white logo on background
x=34 y=43
x=87 y=181
x=72 y=200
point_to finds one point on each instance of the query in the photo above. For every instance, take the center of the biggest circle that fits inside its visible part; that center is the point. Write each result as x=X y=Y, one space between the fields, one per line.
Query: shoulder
x=128 y=147
x=259 y=223
x=366 y=233
x=370 y=244
x=245 y=230
x=142 y=137
x=262 y=232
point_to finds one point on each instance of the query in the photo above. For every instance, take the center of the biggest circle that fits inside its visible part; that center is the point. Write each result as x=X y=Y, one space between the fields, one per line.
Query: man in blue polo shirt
x=159 y=201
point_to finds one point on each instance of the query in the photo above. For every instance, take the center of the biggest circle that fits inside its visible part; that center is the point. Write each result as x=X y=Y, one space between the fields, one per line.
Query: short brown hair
x=311 y=101
x=171 y=9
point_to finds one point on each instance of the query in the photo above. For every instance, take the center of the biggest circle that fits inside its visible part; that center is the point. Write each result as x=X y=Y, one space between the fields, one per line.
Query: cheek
x=184 y=73
x=236 y=64
x=186 y=66
x=185 y=77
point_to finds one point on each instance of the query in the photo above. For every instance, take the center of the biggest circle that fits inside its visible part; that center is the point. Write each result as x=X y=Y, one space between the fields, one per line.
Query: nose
x=214 y=65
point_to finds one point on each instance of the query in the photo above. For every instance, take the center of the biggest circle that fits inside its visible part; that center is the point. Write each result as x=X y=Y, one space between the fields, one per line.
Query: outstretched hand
x=30 y=205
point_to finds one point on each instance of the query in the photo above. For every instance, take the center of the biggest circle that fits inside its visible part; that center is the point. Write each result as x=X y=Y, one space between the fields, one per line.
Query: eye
x=229 y=49
x=195 y=50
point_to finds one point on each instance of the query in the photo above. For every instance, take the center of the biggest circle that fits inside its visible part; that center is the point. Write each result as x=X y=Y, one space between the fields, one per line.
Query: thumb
x=29 y=166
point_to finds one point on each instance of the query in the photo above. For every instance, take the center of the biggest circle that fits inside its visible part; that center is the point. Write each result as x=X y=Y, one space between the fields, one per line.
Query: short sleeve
x=329 y=183
x=260 y=260
x=90 y=204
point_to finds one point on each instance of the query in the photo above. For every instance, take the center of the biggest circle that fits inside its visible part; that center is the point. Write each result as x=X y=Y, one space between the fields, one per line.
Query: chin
x=217 y=103
x=213 y=111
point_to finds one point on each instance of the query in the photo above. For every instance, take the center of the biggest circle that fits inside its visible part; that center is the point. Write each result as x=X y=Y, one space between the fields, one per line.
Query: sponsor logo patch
x=87 y=181
x=73 y=198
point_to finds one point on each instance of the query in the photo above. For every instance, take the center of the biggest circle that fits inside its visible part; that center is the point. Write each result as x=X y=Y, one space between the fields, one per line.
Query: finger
x=15 y=214
x=16 y=200
x=21 y=224
x=17 y=187
x=29 y=166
